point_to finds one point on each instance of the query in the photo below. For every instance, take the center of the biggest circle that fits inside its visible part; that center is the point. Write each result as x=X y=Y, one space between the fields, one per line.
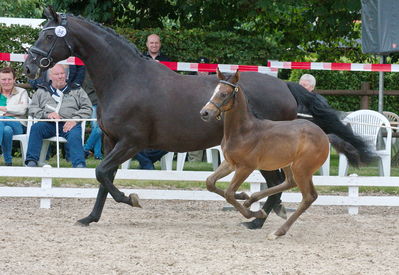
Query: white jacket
x=17 y=104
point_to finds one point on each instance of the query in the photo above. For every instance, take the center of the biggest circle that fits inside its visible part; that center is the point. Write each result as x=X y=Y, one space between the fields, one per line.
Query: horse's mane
x=115 y=34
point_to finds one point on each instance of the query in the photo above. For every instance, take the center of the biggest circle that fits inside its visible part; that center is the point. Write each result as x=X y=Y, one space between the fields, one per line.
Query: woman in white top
x=14 y=105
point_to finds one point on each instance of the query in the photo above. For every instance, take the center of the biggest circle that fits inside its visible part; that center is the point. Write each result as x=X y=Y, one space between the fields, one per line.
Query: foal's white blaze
x=216 y=91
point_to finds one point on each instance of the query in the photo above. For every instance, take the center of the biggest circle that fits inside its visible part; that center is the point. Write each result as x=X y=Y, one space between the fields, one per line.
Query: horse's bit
x=227 y=99
x=60 y=32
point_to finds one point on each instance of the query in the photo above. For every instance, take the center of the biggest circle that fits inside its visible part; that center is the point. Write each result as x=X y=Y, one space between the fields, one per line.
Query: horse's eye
x=223 y=95
x=49 y=37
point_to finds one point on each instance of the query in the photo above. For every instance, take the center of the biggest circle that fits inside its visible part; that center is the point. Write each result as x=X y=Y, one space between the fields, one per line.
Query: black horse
x=146 y=105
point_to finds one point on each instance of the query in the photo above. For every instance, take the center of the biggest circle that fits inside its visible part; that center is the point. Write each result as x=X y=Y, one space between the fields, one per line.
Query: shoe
x=31 y=163
x=100 y=158
x=8 y=163
x=80 y=165
x=87 y=153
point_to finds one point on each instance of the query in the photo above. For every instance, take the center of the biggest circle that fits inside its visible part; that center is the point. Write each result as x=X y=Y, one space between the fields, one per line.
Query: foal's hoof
x=272 y=236
x=260 y=214
x=241 y=196
x=134 y=200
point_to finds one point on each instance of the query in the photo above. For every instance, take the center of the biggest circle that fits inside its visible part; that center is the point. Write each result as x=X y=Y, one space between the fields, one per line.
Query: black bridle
x=227 y=99
x=46 y=59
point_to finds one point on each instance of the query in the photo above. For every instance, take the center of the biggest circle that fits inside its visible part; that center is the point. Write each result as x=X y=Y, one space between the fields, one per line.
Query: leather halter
x=46 y=59
x=227 y=99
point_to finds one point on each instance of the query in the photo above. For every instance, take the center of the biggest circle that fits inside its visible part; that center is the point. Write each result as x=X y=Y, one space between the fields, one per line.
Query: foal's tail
x=343 y=138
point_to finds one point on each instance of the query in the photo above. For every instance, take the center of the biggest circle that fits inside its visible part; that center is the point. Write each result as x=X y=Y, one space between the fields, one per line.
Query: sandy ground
x=186 y=237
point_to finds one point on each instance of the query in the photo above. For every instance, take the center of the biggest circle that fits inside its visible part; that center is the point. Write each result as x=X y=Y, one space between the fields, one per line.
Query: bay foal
x=299 y=147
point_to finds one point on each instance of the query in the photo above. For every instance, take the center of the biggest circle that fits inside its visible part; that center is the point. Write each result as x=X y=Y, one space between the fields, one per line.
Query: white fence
x=46 y=191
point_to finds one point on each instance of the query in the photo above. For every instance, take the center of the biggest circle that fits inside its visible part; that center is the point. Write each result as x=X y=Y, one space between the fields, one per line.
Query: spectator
x=154 y=48
x=58 y=100
x=308 y=81
x=76 y=74
x=148 y=157
x=94 y=142
x=198 y=156
x=13 y=104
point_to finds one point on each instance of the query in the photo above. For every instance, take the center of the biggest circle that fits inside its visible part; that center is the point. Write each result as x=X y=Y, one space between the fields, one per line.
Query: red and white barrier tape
x=176 y=66
x=334 y=66
x=272 y=66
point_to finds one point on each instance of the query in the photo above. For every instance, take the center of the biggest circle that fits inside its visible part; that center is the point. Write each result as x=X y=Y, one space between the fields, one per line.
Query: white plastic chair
x=46 y=144
x=23 y=140
x=212 y=155
x=368 y=124
x=325 y=168
x=166 y=162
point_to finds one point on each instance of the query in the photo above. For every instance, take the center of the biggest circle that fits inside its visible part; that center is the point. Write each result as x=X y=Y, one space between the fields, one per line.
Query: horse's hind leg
x=223 y=170
x=273 y=202
x=309 y=195
x=240 y=175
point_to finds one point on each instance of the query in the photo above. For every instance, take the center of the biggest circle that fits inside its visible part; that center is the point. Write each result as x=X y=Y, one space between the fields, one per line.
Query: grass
x=192 y=166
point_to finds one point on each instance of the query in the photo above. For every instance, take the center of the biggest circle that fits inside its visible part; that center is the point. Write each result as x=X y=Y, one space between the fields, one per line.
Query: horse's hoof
x=84 y=222
x=280 y=211
x=254 y=224
x=79 y=223
x=134 y=200
x=241 y=196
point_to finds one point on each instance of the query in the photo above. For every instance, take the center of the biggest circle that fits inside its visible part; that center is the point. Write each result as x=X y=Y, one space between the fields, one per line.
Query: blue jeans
x=7 y=130
x=147 y=157
x=42 y=130
x=94 y=142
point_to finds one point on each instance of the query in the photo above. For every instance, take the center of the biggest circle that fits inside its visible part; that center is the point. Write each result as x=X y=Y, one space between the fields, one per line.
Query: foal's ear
x=236 y=77
x=50 y=14
x=220 y=74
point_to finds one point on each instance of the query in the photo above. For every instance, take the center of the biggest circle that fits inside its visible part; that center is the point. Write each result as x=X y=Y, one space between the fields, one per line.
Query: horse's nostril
x=27 y=70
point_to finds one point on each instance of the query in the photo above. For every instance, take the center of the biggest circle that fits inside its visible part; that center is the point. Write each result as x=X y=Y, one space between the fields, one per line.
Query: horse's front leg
x=240 y=175
x=223 y=170
x=95 y=215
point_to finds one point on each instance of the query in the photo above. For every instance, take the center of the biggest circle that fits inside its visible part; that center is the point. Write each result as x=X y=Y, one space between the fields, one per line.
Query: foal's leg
x=273 y=202
x=288 y=184
x=309 y=195
x=223 y=170
x=240 y=175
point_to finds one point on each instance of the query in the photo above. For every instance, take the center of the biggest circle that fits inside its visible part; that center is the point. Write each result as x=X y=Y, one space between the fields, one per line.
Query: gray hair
x=310 y=78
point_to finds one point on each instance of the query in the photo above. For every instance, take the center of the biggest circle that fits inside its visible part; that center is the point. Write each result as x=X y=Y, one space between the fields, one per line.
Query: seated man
x=58 y=100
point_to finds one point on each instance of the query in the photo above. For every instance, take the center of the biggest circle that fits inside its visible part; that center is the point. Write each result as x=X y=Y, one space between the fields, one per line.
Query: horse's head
x=222 y=99
x=51 y=46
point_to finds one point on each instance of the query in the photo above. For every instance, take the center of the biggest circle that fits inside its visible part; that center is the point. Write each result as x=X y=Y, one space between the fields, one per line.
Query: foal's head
x=222 y=99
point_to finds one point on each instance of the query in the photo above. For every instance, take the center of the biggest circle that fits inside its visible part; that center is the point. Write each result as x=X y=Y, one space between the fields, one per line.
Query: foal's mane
x=250 y=108
x=117 y=36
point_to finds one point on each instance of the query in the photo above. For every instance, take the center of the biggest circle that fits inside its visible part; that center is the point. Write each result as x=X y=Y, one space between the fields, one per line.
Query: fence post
x=365 y=99
x=45 y=185
x=255 y=187
x=353 y=191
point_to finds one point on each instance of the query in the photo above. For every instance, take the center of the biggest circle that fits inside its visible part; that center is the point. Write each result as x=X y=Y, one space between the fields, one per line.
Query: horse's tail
x=353 y=146
x=345 y=148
